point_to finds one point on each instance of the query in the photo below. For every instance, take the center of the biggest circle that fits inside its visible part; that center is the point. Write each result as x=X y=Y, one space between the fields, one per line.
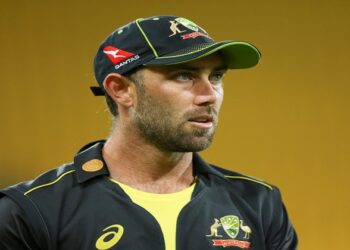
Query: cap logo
x=116 y=55
x=174 y=28
x=189 y=25
x=194 y=35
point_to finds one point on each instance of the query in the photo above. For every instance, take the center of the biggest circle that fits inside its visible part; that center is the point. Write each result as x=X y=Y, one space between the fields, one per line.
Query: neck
x=143 y=166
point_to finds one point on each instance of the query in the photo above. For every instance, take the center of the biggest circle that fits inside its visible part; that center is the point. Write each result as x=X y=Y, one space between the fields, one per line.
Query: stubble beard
x=161 y=126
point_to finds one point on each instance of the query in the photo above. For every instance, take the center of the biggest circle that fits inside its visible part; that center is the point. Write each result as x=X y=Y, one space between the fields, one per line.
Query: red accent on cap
x=116 y=55
x=194 y=35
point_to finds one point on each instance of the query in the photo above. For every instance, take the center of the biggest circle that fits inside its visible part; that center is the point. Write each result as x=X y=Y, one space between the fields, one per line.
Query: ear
x=119 y=88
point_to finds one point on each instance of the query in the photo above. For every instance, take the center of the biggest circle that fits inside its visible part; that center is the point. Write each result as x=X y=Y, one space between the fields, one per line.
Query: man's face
x=177 y=106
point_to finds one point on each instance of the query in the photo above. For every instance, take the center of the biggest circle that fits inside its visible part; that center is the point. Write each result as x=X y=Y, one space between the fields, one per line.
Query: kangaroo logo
x=214 y=229
x=174 y=28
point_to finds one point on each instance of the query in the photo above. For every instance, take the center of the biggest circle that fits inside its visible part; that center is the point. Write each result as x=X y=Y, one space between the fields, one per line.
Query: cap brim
x=236 y=54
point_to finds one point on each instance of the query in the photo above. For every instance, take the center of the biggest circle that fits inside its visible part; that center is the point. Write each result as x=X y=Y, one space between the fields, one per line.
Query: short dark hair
x=135 y=77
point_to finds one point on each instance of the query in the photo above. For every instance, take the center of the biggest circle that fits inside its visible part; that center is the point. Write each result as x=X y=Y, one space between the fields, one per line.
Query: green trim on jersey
x=50 y=183
x=249 y=179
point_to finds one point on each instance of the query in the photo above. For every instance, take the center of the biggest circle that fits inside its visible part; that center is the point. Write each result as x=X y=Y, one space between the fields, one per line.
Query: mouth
x=204 y=121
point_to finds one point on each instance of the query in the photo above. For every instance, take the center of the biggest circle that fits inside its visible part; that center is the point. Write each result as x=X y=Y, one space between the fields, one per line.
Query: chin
x=196 y=145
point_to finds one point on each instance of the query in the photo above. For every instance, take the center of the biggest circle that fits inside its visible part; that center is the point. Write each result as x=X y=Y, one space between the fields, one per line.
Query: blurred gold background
x=286 y=121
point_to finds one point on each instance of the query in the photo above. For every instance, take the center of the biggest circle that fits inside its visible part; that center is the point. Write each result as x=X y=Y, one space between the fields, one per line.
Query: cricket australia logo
x=194 y=29
x=231 y=225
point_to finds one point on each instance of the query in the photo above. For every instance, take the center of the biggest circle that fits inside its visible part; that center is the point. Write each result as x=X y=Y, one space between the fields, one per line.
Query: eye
x=184 y=76
x=216 y=77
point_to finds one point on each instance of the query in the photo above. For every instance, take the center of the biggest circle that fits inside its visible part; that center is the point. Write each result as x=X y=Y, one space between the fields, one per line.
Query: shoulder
x=227 y=178
x=66 y=176
x=235 y=184
x=236 y=179
x=57 y=185
x=251 y=190
x=41 y=198
x=59 y=178
x=41 y=204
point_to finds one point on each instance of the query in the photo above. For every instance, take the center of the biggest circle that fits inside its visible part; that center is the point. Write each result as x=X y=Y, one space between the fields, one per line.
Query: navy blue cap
x=164 y=40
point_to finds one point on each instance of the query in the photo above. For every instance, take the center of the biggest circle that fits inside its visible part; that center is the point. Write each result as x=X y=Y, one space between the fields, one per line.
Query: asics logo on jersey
x=116 y=55
x=111 y=237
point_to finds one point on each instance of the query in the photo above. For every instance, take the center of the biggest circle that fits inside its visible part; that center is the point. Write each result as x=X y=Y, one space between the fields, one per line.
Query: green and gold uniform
x=78 y=206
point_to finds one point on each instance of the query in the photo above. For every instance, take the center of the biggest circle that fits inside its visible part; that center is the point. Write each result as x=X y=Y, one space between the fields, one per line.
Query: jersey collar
x=90 y=164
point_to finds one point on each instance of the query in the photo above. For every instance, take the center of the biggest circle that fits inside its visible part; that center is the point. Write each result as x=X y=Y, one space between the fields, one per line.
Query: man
x=145 y=187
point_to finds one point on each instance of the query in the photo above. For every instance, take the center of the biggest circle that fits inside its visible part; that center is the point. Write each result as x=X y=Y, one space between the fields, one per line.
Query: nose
x=206 y=93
